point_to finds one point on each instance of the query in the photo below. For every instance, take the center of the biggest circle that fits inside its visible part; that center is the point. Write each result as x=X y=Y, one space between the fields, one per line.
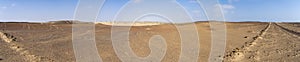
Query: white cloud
x=227 y=8
x=192 y=1
x=231 y=1
x=196 y=11
x=136 y=1
x=3 y=7
x=12 y=5
x=8 y=6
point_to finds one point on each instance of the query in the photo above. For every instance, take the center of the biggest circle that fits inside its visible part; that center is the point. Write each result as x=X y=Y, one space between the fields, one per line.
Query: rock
x=246 y=37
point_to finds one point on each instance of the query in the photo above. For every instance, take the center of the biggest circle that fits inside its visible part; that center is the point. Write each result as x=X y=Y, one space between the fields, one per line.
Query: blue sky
x=234 y=10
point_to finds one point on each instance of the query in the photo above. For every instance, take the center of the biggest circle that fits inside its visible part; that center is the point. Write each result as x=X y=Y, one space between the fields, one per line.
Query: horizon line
x=39 y=21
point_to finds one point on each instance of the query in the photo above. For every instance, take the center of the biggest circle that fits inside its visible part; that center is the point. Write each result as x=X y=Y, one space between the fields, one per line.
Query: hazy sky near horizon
x=234 y=10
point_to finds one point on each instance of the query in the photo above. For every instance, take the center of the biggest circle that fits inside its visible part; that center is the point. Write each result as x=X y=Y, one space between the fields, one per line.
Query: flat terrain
x=246 y=42
x=279 y=42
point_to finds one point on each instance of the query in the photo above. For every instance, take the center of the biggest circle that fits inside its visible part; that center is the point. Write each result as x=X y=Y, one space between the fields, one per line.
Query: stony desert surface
x=246 y=42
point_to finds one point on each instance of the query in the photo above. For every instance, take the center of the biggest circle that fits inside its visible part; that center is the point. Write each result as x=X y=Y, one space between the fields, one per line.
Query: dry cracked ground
x=246 y=42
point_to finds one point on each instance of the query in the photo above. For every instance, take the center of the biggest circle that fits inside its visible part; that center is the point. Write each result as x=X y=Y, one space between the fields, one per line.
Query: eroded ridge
x=237 y=54
x=10 y=40
x=288 y=30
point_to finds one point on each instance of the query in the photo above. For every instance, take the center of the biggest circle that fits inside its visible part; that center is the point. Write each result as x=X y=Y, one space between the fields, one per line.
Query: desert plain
x=245 y=42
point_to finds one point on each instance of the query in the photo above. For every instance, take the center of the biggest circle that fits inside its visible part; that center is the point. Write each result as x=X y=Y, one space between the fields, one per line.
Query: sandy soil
x=277 y=43
x=246 y=42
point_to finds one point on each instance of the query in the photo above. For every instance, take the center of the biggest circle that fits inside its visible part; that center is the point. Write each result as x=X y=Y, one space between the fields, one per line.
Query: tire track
x=288 y=30
x=9 y=39
x=238 y=53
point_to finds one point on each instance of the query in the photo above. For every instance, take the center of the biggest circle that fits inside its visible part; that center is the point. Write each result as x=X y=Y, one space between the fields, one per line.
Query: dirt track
x=276 y=44
x=245 y=42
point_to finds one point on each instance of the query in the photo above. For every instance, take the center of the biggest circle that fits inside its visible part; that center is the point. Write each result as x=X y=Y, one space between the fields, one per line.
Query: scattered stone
x=219 y=56
x=233 y=51
x=8 y=36
x=246 y=37
x=260 y=38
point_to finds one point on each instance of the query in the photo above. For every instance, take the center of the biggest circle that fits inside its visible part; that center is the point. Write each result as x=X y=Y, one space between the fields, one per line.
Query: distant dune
x=130 y=24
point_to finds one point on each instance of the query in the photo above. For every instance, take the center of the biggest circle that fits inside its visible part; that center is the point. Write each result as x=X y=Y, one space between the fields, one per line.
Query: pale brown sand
x=53 y=42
